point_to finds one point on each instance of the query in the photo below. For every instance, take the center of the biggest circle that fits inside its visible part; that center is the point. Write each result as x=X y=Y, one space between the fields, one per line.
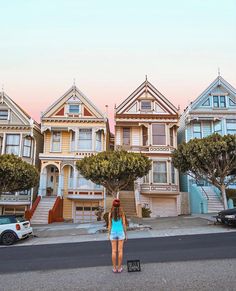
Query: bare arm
x=124 y=225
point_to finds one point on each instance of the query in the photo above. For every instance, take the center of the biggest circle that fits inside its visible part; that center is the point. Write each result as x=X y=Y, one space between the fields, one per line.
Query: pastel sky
x=109 y=46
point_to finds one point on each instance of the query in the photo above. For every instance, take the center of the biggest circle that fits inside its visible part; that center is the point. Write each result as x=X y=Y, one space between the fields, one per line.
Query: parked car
x=13 y=228
x=227 y=216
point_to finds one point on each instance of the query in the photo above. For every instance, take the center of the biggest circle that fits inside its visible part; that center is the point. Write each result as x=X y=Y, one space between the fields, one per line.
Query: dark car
x=227 y=216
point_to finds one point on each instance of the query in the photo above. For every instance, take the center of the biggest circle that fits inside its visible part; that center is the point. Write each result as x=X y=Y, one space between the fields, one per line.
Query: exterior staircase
x=214 y=203
x=127 y=202
x=40 y=215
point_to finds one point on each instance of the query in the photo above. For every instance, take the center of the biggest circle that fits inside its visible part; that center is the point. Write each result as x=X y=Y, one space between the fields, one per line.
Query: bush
x=146 y=212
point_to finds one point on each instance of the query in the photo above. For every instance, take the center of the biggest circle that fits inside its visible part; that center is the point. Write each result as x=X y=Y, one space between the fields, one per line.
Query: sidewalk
x=139 y=228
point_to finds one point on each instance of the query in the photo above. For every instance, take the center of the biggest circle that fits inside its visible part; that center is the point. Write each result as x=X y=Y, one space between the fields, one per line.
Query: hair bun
x=116 y=203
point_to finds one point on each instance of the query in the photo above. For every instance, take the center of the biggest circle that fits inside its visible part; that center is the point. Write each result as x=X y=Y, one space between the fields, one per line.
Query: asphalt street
x=93 y=254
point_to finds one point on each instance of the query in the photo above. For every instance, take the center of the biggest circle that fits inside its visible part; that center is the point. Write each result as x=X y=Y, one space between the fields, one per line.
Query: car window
x=7 y=220
x=20 y=219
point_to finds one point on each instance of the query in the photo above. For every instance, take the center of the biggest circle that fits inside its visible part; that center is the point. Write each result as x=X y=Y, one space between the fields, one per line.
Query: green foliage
x=146 y=212
x=16 y=175
x=114 y=169
x=212 y=158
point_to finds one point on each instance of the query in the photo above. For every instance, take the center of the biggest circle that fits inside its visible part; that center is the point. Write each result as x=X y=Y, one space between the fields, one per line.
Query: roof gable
x=146 y=99
x=219 y=87
x=16 y=115
x=73 y=104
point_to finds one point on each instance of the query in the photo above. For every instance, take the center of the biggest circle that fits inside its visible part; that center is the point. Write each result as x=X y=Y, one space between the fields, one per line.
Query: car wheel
x=8 y=238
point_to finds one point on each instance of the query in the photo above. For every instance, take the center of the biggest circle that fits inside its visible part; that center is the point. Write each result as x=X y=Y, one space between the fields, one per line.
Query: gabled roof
x=73 y=91
x=219 y=81
x=147 y=87
x=21 y=113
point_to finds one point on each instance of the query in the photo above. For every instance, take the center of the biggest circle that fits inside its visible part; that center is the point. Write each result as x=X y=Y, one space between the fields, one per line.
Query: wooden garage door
x=85 y=211
x=164 y=207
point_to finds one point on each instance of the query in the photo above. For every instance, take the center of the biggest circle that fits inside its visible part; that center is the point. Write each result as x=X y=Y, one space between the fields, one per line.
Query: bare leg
x=120 y=253
x=114 y=253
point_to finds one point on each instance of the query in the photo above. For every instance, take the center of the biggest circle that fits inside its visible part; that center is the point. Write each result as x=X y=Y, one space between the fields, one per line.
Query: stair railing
x=30 y=212
x=56 y=213
x=204 y=191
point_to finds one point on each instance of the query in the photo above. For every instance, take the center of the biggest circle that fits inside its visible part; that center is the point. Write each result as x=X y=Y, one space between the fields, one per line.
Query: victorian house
x=147 y=122
x=73 y=128
x=214 y=111
x=19 y=135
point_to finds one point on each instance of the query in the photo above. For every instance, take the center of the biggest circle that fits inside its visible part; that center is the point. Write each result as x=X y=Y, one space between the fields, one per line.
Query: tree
x=212 y=158
x=16 y=175
x=114 y=169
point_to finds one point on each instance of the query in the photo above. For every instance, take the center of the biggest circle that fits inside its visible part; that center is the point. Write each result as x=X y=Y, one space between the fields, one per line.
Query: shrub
x=146 y=212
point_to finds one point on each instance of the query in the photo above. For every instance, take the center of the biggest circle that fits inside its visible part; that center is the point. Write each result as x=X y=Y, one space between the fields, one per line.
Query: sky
x=109 y=46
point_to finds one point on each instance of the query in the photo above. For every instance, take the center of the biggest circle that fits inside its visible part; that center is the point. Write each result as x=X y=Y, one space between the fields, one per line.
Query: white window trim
x=77 y=140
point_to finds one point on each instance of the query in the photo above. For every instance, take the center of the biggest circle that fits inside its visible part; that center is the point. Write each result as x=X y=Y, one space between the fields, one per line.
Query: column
x=42 y=183
x=75 y=178
x=60 y=182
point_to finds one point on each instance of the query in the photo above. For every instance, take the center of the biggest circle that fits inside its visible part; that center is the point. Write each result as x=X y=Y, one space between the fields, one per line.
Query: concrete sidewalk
x=139 y=228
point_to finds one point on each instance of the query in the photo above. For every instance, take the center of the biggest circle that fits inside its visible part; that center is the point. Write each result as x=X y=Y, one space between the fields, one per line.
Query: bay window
x=158 y=134
x=12 y=144
x=85 y=139
x=218 y=127
x=197 y=133
x=98 y=145
x=231 y=126
x=172 y=173
x=159 y=172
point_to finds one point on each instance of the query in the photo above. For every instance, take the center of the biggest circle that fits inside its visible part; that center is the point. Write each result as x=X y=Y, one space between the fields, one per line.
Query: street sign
x=133 y=266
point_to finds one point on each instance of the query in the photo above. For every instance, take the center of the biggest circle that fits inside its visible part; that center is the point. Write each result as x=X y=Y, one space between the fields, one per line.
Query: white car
x=13 y=228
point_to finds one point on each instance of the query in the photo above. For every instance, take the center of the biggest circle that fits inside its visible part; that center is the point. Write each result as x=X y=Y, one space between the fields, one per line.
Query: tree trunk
x=223 y=193
x=118 y=195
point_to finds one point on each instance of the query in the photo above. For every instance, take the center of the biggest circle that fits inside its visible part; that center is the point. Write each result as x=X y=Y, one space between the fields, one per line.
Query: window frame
x=156 y=135
x=4 y=110
x=73 y=110
x=129 y=137
x=10 y=145
x=27 y=146
x=197 y=132
x=79 y=148
x=160 y=173
x=52 y=142
x=145 y=109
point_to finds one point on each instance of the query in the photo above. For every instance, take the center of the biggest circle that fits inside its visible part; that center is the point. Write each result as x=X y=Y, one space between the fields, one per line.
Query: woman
x=117 y=234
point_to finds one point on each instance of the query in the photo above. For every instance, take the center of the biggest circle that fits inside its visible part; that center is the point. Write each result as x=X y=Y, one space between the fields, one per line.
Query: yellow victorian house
x=73 y=128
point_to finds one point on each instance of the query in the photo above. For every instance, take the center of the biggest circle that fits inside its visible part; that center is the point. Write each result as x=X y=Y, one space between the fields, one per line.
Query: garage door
x=164 y=207
x=85 y=211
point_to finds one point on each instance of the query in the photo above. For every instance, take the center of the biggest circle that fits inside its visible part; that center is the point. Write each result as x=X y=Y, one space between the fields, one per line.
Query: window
x=218 y=127
x=83 y=183
x=172 y=173
x=85 y=139
x=70 y=185
x=27 y=147
x=158 y=134
x=171 y=136
x=219 y=101
x=126 y=136
x=197 y=130
x=159 y=172
x=145 y=136
x=146 y=105
x=98 y=140
x=56 y=141
x=12 y=144
x=3 y=114
x=231 y=126
x=74 y=108
x=146 y=179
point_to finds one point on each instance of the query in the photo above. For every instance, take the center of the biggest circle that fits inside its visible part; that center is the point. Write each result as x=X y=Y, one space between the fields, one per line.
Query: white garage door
x=85 y=212
x=164 y=207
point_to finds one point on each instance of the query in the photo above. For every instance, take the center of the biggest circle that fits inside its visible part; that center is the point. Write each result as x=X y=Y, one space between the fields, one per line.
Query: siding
x=65 y=142
x=118 y=136
x=135 y=136
x=67 y=206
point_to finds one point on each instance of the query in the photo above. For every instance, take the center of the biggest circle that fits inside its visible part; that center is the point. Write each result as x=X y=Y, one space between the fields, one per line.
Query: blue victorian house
x=214 y=111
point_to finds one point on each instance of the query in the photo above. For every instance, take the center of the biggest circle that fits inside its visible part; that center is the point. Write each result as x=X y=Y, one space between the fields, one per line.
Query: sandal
x=120 y=270
x=114 y=270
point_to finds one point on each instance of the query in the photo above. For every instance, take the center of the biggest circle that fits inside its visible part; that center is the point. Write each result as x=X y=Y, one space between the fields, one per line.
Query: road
x=93 y=254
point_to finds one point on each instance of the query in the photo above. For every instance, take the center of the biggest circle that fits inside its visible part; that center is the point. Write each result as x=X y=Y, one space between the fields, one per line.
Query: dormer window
x=3 y=114
x=219 y=101
x=74 y=108
x=146 y=105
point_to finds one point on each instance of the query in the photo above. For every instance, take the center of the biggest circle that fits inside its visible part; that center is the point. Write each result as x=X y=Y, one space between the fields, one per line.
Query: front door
x=52 y=181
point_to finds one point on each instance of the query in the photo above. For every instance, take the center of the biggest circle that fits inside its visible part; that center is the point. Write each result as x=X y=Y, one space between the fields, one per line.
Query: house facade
x=214 y=111
x=147 y=122
x=73 y=128
x=19 y=135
